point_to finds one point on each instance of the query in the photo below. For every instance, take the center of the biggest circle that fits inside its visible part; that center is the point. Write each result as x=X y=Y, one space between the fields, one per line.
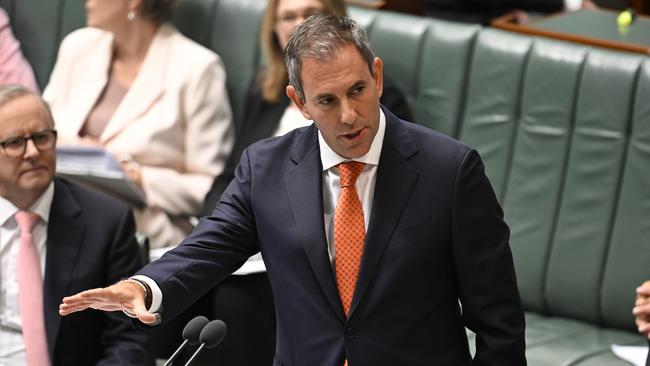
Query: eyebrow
x=357 y=84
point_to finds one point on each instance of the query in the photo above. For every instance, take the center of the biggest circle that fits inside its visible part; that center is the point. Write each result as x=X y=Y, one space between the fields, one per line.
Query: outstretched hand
x=642 y=309
x=124 y=295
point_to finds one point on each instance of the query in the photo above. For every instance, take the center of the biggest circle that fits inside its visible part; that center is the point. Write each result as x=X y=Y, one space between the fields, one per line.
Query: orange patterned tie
x=349 y=233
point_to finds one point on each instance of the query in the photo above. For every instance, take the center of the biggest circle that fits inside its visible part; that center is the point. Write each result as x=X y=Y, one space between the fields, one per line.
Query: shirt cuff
x=572 y=5
x=156 y=294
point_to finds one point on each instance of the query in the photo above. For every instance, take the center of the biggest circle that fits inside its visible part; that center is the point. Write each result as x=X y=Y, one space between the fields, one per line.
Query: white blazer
x=175 y=120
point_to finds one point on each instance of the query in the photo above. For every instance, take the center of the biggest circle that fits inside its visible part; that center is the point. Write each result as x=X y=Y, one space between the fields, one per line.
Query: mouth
x=352 y=135
x=34 y=170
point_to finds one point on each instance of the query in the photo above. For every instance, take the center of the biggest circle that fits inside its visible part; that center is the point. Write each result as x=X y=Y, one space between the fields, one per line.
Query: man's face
x=25 y=178
x=342 y=98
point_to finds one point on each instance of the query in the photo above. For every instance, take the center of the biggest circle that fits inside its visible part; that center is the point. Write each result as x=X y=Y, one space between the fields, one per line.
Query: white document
x=635 y=355
x=98 y=169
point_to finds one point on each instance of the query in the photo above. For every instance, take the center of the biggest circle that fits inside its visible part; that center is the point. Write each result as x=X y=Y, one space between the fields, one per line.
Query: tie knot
x=26 y=221
x=349 y=172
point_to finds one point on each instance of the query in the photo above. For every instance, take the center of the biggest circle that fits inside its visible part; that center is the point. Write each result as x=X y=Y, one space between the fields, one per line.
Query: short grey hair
x=10 y=92
x=320 y=37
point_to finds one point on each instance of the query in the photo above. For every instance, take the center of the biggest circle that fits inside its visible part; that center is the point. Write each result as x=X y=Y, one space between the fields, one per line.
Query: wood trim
x=507 y=22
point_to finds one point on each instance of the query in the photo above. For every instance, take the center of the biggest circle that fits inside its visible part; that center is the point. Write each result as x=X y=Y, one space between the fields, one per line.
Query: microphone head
x=192 y=330
x=213 y=333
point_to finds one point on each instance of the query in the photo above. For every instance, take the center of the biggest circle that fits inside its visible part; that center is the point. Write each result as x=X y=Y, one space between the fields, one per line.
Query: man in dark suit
x=57 y=237
x=382 y=239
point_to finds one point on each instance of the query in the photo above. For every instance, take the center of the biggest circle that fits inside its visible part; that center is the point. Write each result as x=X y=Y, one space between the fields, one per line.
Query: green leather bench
x=564 y=131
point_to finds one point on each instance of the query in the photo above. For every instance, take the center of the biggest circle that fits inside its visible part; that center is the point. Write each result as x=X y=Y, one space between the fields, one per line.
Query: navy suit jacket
x=90 y=243
x=436 y=236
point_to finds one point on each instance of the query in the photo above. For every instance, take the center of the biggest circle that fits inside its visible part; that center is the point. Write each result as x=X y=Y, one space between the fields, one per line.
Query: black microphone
x=191 y=334
x=211 y=335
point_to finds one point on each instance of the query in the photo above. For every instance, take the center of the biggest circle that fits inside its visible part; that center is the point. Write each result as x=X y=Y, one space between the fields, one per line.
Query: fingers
x=644 y=327
x=643 y=290
x=81 y=301
x=124 y=296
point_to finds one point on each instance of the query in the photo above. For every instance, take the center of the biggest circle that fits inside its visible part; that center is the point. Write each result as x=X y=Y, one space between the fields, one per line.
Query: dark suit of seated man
x=57 y=238
x=382 y=239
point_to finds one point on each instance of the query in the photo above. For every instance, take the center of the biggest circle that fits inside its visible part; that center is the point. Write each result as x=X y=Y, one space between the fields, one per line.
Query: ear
x=378 y=66
x=292 y=93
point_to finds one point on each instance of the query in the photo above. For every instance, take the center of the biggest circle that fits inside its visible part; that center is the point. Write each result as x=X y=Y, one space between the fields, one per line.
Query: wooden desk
x=593 y=27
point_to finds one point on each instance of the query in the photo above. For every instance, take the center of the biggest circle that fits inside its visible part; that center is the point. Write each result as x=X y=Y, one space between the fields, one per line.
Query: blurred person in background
x=245 y=301
x=132 y=84
x=14 y=69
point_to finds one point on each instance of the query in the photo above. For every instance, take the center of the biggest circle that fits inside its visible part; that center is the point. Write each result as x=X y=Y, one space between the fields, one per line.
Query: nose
x=349 y=113
x=30 y=149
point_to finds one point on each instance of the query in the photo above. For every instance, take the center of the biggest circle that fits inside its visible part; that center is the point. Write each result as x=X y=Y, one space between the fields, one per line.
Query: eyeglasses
x=15 y=146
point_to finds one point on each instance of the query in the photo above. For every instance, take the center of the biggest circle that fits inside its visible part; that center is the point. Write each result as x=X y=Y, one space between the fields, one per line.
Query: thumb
x=139 y=310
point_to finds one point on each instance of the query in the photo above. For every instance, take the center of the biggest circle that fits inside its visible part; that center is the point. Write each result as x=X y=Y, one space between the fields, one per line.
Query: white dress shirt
x=12 y=348
x=365 y=186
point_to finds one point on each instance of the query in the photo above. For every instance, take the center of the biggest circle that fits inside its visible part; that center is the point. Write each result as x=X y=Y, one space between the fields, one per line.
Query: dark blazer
x=261 y=120
x=482 y=11
x=436 y=236
x=90 y=243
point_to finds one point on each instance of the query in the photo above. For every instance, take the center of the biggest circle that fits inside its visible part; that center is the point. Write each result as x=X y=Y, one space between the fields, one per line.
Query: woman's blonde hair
x=275 y=78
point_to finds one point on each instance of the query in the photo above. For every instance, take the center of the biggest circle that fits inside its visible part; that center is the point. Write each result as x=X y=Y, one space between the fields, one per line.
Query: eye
x=41 y=138
x=16 y=142
x=287 y=18
x=326 y=100
x=358 y=89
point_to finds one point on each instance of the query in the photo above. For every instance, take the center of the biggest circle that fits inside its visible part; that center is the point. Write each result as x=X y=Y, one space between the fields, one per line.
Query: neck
x=130 y=43
x=22 y=200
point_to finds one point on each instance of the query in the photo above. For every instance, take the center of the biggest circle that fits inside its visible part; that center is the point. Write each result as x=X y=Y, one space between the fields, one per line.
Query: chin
x=36 y=183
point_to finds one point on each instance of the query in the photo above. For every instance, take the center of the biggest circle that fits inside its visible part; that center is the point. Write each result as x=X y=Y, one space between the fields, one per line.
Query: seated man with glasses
x=57 y=238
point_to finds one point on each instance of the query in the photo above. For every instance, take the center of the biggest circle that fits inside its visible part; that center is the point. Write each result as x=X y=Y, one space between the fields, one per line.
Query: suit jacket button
x=349 y=333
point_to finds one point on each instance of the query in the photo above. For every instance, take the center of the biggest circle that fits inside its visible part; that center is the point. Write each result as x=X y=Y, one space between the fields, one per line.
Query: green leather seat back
x=628 y=255
x=235 y=37
x=195 y=19
x=591 y=186
x=37 y=24
x=533 y=186
x=441 y=87
x=491 y=109
x=231 y=29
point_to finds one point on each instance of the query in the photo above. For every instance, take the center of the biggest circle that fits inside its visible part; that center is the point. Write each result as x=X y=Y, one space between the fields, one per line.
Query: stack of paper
x=98 y=169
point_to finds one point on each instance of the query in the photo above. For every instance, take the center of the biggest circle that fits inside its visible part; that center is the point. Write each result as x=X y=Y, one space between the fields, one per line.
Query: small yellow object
x=625 y=18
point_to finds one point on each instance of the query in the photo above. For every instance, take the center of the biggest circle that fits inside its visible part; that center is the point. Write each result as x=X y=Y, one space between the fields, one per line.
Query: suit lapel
x=395 y=180
x=89 y=84
x=305 y=190
x=64 y=239
x=147 y=87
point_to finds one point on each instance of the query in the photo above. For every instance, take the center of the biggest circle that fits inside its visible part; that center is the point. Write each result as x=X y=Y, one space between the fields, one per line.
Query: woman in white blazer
x=157 y=100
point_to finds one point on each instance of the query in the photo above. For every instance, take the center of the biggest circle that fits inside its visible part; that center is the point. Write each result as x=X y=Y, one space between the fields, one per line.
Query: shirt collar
x=41 y=207
x=330 y=159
